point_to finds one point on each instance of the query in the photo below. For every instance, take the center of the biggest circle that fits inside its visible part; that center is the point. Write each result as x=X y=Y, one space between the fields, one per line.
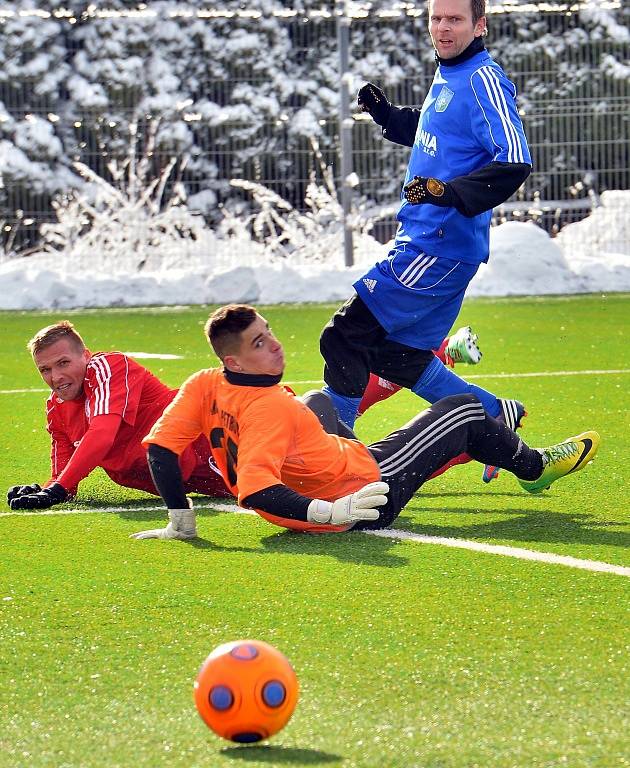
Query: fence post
x=345 y=128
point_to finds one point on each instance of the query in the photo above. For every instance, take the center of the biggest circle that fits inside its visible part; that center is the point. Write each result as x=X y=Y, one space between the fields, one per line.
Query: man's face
x=260 y=352
x=451 y=26
x=62 y=366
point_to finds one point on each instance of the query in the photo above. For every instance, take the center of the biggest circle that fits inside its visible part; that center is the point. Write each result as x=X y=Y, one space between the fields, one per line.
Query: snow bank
x=589 y=256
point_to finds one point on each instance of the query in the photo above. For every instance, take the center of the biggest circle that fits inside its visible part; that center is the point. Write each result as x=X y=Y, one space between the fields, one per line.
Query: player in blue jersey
x=468 y=154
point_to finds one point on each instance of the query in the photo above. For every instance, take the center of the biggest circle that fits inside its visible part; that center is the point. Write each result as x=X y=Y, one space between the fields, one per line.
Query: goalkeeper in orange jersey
x=277 y=458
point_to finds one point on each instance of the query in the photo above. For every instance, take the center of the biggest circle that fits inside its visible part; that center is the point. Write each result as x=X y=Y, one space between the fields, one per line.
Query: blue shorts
x=415 y=297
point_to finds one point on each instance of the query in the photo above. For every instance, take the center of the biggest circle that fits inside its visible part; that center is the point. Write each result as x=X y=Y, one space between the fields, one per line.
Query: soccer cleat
x=562 y=459
x=512 y=413
x=462 y=347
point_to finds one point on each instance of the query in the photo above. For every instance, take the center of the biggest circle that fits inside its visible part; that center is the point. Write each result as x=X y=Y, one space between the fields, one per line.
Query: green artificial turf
x=408 y=654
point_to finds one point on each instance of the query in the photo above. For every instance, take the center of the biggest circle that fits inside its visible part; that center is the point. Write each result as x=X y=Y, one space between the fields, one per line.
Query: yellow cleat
x=562 y=459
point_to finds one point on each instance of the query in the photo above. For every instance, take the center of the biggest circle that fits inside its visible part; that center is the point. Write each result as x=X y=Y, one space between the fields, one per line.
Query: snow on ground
x=592 y=255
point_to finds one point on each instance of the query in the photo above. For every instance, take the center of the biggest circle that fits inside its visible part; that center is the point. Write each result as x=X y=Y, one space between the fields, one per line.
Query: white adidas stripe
x=410 y=278
x=434 y=440
x=101 y=394
x=418 y=263
x=427 y=437
x=505 y=117
x=510 y=413
x=390 y=464
x=497 y=99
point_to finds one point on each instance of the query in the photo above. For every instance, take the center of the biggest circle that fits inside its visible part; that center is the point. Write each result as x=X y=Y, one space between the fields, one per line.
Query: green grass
x=408 y=655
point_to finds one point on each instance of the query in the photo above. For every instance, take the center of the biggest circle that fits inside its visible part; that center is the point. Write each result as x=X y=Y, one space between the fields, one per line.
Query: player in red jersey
x=100 y=408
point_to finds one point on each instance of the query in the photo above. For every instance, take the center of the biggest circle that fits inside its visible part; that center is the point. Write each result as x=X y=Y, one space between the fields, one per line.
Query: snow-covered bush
x=135 y=219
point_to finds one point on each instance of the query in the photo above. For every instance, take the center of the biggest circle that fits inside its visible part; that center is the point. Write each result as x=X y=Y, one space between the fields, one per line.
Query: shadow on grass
x=279 y=755
x=523 y=525
x=347 y=547
x=526 y=525
x=467 y=494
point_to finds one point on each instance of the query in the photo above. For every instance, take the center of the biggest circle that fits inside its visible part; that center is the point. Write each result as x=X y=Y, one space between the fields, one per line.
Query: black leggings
x=409 y=456
x=354 y=344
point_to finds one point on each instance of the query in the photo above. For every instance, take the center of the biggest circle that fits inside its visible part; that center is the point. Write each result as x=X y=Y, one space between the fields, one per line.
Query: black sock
x=499 y=446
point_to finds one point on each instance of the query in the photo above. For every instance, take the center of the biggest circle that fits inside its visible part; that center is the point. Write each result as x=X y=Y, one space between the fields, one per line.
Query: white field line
x=499 y=549
x=153 y=356
x=386 y=533
x=531 y=375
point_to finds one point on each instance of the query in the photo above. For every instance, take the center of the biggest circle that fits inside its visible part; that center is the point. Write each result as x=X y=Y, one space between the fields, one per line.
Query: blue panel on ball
x=244 y=652
x=221 y=698
x=274 y=693
x=247 y=738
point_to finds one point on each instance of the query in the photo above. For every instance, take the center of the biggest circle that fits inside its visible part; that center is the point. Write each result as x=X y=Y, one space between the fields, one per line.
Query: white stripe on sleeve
x=496 y=97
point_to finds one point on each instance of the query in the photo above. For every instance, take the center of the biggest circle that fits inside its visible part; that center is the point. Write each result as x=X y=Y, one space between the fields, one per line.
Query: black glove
x=429 y=190
x=21 y=490
x=371 y=99
x=42 y=499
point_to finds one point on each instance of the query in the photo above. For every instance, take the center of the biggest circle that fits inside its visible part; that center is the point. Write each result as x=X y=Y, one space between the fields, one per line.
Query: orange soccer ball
x=246 y=691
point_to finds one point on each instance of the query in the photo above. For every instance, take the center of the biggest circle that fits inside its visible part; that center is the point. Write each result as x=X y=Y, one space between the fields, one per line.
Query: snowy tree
x=241 y=89
x=34 y=165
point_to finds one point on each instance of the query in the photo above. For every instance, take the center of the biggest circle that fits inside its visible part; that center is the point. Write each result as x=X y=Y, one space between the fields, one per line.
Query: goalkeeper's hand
x=360 y=505
x=40 y=499
x=372 y=100
x=21 y=490
x=182 y=525
x=422 y=189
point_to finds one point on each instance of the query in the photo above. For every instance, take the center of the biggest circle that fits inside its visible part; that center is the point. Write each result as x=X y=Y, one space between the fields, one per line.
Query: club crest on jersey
x=443 y=99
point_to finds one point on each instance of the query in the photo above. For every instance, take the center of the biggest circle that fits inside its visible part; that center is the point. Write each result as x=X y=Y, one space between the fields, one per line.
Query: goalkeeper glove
x=21 y=490
x=42 y=499
x=360 y=505
x=371 y=99
x=429 y=190
x=182 y=525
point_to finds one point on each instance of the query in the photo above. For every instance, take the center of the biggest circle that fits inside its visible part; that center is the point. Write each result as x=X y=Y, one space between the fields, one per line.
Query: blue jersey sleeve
x=499 y=125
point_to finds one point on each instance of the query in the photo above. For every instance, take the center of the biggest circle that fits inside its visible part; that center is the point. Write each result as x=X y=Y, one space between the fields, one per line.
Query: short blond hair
x=51 y=334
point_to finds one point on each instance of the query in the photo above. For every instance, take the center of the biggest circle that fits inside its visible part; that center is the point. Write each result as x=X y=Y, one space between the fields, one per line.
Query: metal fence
x=574 y=96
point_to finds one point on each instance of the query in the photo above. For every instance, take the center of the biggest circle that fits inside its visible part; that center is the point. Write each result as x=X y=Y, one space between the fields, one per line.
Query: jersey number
x=217 y=437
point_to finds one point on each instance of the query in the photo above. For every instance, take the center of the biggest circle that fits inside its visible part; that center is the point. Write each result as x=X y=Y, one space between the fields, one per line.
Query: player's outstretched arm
x=280 y=501
x=478 y=191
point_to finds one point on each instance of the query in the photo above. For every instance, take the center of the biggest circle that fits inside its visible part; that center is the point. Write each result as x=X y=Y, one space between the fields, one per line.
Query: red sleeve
x=61 y=446
x=91 y=451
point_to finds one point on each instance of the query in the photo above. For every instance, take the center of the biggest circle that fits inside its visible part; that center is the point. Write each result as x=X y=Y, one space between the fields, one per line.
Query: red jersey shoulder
x=113 y=383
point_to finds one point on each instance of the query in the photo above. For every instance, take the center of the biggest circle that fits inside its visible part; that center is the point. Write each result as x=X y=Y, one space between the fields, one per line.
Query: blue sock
x=347 y=407
x=438 y=381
